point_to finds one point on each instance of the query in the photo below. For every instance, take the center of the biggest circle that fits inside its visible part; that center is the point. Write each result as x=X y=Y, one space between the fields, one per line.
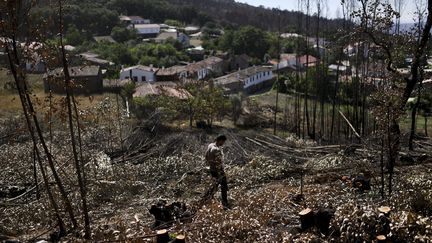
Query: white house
x=148 y=30
x=256 y=75
x=250 y=79
x=139 y=73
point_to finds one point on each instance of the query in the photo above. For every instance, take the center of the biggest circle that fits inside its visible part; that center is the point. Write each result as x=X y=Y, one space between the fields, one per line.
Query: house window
x=135 y=79
x=127 y=77
x=143 y=79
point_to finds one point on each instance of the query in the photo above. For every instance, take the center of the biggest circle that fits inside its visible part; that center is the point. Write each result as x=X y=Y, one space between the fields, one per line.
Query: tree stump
x=385 y=210
x=165 y=214
x=381 y=238
x=180 y=239
x=322 y=220
x=307 y=218
x=162 y=236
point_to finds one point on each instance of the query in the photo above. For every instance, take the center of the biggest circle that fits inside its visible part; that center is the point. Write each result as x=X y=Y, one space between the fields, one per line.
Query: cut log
x=350 y=125
x=162 y=236
x=307 y=218
x=180 y=239
x=381 y=238
x=385 y=210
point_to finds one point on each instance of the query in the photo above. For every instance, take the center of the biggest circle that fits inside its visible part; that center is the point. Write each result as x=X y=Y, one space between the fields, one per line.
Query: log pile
x=150 y=140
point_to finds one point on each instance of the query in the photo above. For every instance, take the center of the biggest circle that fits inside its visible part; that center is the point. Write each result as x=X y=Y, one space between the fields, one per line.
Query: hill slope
x=225 y=12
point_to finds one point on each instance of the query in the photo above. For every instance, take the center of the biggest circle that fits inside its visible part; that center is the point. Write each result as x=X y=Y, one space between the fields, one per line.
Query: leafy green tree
x=118 y=53
x=122 y=34
x=250 y=40
x=161 y=55
x=73 y=36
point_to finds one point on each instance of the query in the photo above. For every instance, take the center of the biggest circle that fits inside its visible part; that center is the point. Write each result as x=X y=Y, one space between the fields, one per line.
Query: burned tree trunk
x=69 y=95
x=162 y=236
x=307 y=218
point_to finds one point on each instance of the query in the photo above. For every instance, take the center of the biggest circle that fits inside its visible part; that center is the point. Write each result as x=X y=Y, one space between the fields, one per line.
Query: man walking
x=214 y=158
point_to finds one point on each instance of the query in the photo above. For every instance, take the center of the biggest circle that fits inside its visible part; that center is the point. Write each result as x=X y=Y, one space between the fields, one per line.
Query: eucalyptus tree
x=375 y=19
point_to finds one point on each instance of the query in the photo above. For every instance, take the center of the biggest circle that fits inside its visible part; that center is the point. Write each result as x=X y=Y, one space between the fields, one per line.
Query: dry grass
x=10 y=103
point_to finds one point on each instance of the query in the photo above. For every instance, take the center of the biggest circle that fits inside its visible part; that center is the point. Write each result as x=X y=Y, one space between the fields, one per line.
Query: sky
x=333 y=7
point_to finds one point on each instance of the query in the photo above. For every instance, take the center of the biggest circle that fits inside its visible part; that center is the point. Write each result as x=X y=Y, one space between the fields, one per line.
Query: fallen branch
x=350 y=125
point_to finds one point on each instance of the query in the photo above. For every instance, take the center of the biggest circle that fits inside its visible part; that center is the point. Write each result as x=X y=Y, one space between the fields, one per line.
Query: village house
x=86 y=80
x=300 y=62
x=175 y=73
x=248 y=80
x=134 y=20
x=198 y=70
x=283 y=67
x=291 y=62
x=203 y=69
x=139 y=73
x=147 y=30
x=175 y=35
x=169 y=89
x=90 y=58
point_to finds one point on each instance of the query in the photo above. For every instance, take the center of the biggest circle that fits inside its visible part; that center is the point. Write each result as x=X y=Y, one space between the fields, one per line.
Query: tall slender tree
x=69 y=100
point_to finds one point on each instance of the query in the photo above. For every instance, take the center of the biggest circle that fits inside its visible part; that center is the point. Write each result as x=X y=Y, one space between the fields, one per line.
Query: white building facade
x=248 y=80
x=258 y=77
x=139 y=74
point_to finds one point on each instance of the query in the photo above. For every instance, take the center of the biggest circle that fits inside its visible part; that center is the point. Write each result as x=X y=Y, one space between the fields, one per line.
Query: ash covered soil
x=264 y=174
